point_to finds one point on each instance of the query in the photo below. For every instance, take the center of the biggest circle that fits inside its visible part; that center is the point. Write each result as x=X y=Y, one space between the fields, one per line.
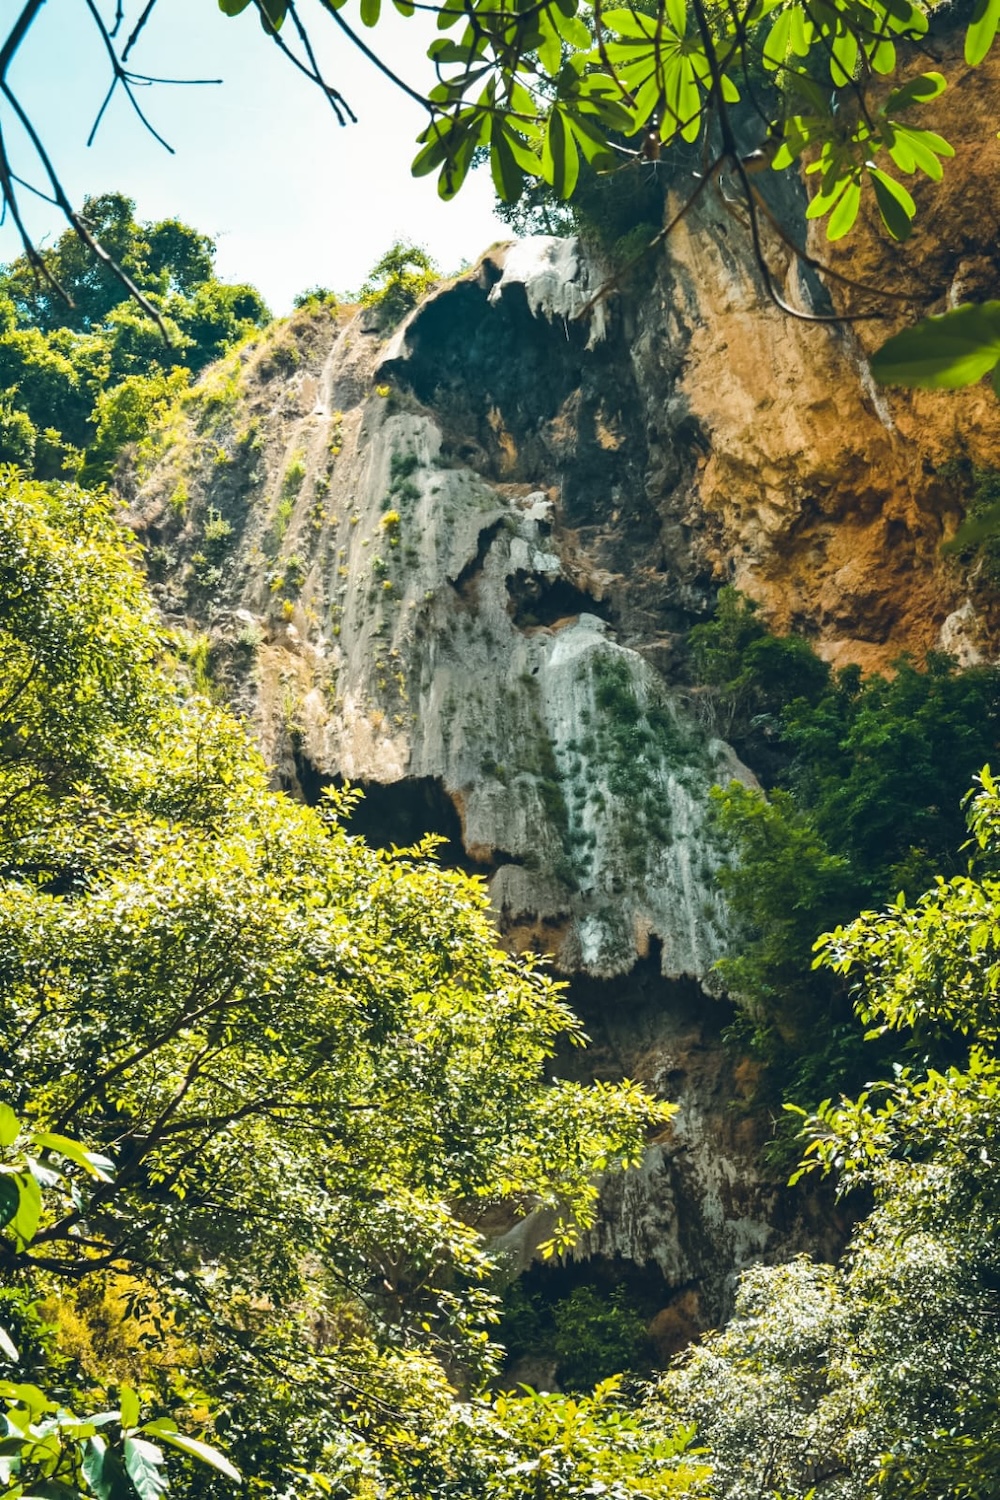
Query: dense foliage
x=397 y=281
x=544 y=87
x=82 y=374
x=302 y=1069
x=879 y=1375
x=867 y=777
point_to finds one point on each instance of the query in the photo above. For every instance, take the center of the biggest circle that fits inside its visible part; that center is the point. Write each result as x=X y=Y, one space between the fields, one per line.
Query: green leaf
x=272 y=14
x=629 y=23
x=942 y=353
x=882 y=56
x=370 y=12
x=560 y=161
x=550 y=47
x=459 y=160
x=919 y=149
x=982 y=30
x=677 y=15
x=572 y=30
x=894 y=203
x=129 y=1407
x=8 y=1347
x=10 y=1197
x=434 y=153
x=846 y=211
x=102 y=1469
x=95 y=1165
x=194 y=1448
x=777 y=44
x=508 y=179
x=843 y=57
x=9 y=1126
x=142 y=1462
x=917 y=91
x=233 y=7
x=29 y=1211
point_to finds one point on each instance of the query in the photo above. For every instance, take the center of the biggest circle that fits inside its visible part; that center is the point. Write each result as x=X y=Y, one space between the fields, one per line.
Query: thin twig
x=373 y=57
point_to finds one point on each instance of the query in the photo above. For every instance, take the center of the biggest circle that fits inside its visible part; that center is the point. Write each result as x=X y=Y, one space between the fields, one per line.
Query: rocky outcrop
x=458 y=566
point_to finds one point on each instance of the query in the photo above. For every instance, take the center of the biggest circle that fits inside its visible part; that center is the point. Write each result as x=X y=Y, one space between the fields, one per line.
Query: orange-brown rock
x=827 y=499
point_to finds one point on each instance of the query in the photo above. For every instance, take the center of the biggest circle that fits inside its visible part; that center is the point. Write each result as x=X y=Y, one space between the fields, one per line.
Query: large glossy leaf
x=102 y=1469
x=143 y=1462
x=956 y=349
x=9 y=1126
x=982 y=30
x=164 y=1432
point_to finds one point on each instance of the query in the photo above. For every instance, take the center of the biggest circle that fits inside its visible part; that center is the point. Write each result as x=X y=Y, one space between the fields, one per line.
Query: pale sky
x=261 y=164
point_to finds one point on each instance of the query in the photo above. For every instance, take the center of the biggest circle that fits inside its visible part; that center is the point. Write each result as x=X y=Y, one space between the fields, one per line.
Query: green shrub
x=396 y=283
x=597 y=1336
x=216 y=533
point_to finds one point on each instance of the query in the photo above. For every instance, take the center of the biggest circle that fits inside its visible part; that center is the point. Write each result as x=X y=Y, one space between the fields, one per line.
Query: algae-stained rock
x=420 y=617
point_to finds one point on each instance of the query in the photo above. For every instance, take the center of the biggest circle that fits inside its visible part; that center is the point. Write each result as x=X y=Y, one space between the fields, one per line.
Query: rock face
x=458 y=566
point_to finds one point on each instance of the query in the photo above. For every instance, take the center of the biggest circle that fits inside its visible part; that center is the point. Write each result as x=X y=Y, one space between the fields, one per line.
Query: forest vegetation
x=267 y=1089
x=266 y=1086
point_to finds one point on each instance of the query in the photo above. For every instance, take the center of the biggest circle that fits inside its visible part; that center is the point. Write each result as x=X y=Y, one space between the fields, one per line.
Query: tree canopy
x=82 y=367
x=878 y=1376
x=301 y=1069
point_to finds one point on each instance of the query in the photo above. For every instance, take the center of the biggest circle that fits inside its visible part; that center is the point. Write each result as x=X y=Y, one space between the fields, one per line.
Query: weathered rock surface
x=459 y=567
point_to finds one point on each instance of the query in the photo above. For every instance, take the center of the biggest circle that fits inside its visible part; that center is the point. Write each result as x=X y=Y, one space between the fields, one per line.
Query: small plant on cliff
x=397 y=281
x=291 y=480
x=216 y=533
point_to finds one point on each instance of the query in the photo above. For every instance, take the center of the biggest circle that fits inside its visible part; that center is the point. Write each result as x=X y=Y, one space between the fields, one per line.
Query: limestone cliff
x=459 y=565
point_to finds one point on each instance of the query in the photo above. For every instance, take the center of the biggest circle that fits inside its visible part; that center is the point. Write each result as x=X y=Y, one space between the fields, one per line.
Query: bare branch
x=373 y=57
x=333 y=96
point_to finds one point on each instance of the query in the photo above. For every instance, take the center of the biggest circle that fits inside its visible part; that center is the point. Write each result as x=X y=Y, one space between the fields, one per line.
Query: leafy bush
x=397 y=281
x=867 y=780
x=91 y=372
x=597 y=1336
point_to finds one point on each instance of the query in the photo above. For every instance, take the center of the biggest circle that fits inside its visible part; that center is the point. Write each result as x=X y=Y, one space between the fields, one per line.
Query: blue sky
x=293 y=199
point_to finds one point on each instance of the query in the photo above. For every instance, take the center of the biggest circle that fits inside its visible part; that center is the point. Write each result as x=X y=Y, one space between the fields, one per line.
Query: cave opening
x=398 y=813
x=581 y=1321
x=536 y=599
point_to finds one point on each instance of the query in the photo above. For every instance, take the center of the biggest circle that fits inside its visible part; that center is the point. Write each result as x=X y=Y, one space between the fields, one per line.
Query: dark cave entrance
x=586 y=1320
x=397 y=813
x=536 y=600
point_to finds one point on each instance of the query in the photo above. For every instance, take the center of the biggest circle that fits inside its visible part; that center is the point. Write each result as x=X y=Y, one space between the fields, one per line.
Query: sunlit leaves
x=553 y=96
x=955 y=349
x=982 y=30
